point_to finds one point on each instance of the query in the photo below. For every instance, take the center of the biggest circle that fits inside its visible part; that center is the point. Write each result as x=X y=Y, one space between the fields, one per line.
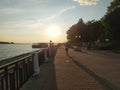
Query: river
x=11 y=50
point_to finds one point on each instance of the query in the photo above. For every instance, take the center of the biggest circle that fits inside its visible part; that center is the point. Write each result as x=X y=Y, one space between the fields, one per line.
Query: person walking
x=67 y=46
x=51 y=49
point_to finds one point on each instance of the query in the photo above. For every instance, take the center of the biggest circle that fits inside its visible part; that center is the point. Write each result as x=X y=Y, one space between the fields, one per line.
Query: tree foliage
x=106 y=28
x=85 y=32
x=74 y=33
x=112 y=20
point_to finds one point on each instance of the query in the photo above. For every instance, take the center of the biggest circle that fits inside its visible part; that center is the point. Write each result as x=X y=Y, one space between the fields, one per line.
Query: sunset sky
x=30 y=21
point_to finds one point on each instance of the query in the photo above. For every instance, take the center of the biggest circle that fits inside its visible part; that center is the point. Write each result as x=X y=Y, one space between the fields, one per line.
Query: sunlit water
x=11 y=50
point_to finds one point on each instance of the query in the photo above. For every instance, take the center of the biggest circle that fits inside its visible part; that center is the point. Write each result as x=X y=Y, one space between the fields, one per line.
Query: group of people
x=51 y=54
x=51 y=47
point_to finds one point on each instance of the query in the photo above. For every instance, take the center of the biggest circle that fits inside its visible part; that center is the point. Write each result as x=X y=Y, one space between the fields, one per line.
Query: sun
x=53 y=30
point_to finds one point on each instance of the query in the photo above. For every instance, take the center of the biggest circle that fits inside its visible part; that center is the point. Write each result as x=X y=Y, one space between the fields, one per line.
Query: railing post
x=15 y=73
x=6 y=79
x=31 y=65
x=1 y=84
x=1 y=81
x=12 y=79
x=20 y=75
x=36 y=64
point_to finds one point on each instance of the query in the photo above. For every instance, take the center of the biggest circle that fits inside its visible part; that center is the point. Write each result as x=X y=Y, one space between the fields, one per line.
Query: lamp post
x=79 y=43
x=78 y=37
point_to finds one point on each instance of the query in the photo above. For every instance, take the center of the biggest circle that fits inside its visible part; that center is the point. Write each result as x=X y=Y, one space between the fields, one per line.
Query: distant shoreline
x=6 y=42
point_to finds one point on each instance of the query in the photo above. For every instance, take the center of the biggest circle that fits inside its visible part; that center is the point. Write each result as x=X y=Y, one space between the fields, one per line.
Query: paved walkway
x=69 y=73
x=104 y=64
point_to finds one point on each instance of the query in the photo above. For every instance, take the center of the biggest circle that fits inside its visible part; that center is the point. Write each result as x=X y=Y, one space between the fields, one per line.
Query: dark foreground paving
x=67 y=73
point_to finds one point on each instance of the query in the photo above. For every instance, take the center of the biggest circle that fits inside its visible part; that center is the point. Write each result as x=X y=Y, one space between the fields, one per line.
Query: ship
x=39 y=45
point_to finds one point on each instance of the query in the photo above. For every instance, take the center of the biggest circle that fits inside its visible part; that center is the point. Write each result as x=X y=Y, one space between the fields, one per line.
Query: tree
x=115 y=27
x=89 y=32
x=112 y=20
x=115 y=4
x=74 y=33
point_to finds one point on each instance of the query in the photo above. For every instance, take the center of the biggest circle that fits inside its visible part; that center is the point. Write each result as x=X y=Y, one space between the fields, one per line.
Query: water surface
x=11 y=50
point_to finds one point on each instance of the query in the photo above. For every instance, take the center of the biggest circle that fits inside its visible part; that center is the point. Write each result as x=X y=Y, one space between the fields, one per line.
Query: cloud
x=61 y=12
x=87 y=2
x=26 y=24
x=66 y=9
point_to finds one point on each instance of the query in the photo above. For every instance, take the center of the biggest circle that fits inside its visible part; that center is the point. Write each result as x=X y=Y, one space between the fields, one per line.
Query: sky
x=32 y=21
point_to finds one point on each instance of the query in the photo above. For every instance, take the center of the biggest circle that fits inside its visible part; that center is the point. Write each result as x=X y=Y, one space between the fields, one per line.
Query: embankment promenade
x=86 y=70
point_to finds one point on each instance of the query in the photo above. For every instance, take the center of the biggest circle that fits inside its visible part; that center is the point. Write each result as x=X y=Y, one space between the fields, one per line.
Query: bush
x=104 y=46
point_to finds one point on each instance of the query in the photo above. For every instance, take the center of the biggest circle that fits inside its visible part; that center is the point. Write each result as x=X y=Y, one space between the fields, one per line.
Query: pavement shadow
x=46 y=80
x=48 y=76
x=108 y=85
x=80 y=50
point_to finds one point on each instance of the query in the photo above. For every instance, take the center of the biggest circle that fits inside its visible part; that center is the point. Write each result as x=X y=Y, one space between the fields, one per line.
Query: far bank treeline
x=1 y=42
x=107 y=28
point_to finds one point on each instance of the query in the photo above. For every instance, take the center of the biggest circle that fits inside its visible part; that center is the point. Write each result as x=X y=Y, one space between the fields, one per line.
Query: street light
x=78 y=36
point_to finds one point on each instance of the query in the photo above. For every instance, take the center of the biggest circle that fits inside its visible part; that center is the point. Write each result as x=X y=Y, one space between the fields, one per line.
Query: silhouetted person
x=51 y=49
x=50 y=43
x=67 y=46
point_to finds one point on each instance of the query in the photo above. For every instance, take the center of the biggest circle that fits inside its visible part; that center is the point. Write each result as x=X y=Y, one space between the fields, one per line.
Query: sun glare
x=53 y=30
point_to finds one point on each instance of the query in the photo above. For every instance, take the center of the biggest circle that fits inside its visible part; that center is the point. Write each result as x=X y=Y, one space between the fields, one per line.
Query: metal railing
x=15 y=73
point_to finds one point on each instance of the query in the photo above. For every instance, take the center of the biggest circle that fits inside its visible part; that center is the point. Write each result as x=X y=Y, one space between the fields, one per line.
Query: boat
x=40 y=45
